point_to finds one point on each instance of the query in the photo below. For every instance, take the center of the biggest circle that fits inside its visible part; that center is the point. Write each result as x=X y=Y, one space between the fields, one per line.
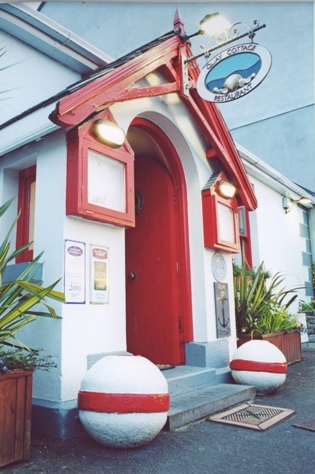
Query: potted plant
x=18 y=301
x=246 y=275
x=262 y=312
x=309 y=310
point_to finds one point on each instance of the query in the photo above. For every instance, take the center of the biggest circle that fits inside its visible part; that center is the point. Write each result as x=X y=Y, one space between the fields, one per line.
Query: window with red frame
x=26 y=207
x=245 y=241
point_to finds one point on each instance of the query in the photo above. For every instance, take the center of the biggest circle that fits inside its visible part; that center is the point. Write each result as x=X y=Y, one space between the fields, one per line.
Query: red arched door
x=151 y=330
x=158 y=292
x=155 y=322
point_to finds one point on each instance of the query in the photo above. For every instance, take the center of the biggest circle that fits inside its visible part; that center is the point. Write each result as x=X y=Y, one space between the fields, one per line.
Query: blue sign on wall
x=234 y=73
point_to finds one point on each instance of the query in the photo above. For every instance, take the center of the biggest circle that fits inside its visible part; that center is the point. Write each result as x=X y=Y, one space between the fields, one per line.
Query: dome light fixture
x=221 y=33
x=304 y=201
x=214 y=23
x=109 y=133
x=226 y=189
x=287 y=202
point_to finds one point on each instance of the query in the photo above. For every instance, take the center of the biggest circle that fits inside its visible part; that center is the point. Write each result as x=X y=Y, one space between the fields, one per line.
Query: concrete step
x=184 y=378
x=200 y=403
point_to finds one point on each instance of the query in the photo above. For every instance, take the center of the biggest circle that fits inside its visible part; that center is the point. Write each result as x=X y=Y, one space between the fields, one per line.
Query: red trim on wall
x=124 y=402
x=255 y=366
x=120 y=85
x=26 y=178
x=212 y=125
x=247 y=243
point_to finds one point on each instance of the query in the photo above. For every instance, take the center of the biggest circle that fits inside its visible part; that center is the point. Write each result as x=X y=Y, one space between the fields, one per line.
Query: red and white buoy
x=123 y=401
x=260 y=364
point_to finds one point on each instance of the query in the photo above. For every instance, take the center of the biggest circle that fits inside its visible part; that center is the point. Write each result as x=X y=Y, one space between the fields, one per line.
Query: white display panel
x=226 y=223
x=106 y=182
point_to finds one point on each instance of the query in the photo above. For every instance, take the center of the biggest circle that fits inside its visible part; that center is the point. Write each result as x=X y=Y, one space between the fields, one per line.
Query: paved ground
x=200 y=448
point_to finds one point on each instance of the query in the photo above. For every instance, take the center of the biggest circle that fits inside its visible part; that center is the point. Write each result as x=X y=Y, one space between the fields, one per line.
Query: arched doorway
x=158 y=298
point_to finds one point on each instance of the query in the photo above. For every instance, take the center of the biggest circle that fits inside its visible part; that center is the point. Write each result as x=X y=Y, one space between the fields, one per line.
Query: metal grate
x=307 y=425
x=257 y=417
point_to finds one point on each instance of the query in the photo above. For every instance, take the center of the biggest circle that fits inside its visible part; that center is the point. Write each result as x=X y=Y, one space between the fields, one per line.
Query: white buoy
x=260 y=364
x=123 y=401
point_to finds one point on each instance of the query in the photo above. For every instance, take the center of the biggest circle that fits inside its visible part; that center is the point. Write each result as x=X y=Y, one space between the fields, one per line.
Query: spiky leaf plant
x=256 y=301
x=19 y=298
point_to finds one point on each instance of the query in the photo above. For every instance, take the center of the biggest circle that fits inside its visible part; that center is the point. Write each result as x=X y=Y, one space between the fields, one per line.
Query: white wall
x=83 y=329
x=94 y=328
x=279 y=243
x=49 y=156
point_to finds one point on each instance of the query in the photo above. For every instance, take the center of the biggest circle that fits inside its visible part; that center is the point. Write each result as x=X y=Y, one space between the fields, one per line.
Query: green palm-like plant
x=256 y=300
x=19 y=298
x=275 y=318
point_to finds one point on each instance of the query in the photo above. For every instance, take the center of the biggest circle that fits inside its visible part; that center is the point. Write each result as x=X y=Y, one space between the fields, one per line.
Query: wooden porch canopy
x=118 y=82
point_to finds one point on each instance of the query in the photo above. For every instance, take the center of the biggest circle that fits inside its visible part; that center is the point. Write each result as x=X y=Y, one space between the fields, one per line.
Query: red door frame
x=26 y=178
x=181 y=236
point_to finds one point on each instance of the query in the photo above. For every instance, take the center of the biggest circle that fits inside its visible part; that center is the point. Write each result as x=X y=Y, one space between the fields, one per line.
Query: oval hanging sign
x=234 y=73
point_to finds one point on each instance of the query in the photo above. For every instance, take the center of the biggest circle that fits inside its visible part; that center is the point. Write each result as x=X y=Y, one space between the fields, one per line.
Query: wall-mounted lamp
x=287 y=202
x=213 y=23
x=221 y=33
x=109 y=133
x=226 y=190
x=304 y=201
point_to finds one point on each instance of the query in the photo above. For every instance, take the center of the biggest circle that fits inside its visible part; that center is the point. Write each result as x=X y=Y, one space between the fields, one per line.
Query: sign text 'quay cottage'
x=234 y=72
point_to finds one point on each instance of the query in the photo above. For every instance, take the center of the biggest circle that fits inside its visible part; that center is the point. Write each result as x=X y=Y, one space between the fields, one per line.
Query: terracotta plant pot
x=289 y=343
x=15 y=416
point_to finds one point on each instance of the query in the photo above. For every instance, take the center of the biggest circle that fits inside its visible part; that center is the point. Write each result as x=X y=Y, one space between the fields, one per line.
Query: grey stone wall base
x=61 y=420
x=62 y=423
x=213 y=354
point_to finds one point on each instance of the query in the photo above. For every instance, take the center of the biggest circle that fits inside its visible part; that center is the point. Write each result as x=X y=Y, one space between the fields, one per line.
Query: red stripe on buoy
x=124 y=402
x=256 y=366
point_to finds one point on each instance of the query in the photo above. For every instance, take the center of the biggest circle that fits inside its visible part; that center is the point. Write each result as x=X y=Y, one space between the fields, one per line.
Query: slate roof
x=102 y=71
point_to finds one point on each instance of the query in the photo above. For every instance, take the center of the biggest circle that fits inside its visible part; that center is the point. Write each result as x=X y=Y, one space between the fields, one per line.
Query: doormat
x=256 y=417
x=307 y=425
x=165 y=366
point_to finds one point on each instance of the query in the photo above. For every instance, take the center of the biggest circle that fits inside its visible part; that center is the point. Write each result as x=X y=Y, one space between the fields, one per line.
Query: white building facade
x=138 y=233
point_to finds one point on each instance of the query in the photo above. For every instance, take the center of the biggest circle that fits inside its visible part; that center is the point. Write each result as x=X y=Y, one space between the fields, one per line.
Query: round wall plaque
x=218 y=267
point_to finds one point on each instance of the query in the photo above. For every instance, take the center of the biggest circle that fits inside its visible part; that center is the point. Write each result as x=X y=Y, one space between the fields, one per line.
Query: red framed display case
x=100 y=178
x=220 y=218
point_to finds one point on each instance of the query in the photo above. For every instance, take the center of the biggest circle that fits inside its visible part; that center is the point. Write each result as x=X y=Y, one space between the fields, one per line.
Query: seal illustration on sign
x=234 y=72
x=233 y=82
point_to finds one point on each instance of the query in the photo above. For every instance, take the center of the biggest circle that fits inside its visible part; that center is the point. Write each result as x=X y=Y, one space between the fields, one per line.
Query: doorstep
x=194 y=395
